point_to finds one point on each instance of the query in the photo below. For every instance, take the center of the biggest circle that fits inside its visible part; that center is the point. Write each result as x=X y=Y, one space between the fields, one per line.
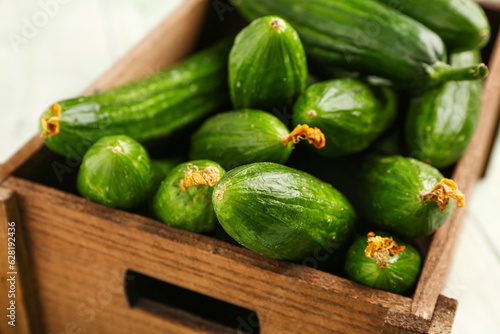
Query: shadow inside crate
x=168 y=300
x=50 y=169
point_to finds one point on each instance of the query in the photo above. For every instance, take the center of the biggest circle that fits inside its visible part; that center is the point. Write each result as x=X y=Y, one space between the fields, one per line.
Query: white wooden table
x=53 y=49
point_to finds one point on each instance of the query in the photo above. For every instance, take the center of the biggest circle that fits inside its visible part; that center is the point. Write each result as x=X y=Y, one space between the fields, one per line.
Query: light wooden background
x=81 y=38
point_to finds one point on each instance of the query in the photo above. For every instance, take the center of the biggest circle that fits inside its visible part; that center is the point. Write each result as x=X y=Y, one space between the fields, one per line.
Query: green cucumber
x=160 y=170
x=401 y=195
x=365 y=36
x=146 y=109
x=462 y=24
x=188 y=206
x=281 y=212
x=244 y=136
x=267 y=65
x=392 y=265
x=116 y=171
x=349 y=112
x=442 y=120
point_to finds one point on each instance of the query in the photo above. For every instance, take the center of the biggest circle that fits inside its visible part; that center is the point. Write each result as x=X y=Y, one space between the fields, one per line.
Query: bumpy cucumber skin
x=462 y=24
x=146 y=109
x=241 y=137
x=387 y=190
x=120 y=180
x=191 y=210
x=349 y=112
x=267 y=66
x=360 y=35
x=281 y=212
x=401 y=273
x=442 y=120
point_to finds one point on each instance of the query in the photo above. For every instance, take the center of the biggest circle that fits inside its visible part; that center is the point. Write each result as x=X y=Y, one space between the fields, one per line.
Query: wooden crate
x=86 y=268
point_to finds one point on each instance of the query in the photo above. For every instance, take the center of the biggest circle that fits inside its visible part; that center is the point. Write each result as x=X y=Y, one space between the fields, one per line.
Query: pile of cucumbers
x=361 y=77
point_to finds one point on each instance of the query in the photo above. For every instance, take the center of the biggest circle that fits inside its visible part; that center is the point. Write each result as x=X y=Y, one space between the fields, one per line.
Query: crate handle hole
x=186 y=306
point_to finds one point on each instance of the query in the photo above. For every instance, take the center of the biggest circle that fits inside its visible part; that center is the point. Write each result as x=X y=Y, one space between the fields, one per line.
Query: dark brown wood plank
x=467 y=172
x=26 y=315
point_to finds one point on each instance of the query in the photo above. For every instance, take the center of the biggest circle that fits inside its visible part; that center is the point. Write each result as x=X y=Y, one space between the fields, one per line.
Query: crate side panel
x=64 y=235
x=468 y=170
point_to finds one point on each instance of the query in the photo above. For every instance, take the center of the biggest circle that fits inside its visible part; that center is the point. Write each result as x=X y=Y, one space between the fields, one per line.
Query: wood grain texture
x=467 y=172
x=81 y=250
x=183 y=318
x=444 y=314
x=65 y=231
x=27 y=319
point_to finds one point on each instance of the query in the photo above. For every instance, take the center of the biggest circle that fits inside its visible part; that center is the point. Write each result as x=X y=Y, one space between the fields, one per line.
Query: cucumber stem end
x=194 y=176
x=381 y=249
x=442 y=193
x=278 y=24
x=51 y=126
x=312 y=114
x=115 y=149
x=441 y=72
x=313 y=135
x=219 y=194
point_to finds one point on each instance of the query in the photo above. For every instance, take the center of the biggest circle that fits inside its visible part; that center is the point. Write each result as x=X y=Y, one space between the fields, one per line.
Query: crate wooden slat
x=65 y=231
x=27 y=316
x=467 y=172
x=79 y=251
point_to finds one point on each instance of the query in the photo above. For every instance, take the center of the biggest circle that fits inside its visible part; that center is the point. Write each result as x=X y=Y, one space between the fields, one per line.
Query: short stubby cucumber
x=267 y=65
x=281 y=212
x=184 y=199
x=462 y=24
x=146 y=109
x=442 y=120
x=350 y=113
x=365 y=36
x=241 y=137
x=402 y=195
x=383 y=262
x=116 y=171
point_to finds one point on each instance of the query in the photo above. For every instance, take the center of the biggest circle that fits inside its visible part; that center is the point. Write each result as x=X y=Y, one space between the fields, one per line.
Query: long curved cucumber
x=365 y=36
x=146 y=109
x=462 y=24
